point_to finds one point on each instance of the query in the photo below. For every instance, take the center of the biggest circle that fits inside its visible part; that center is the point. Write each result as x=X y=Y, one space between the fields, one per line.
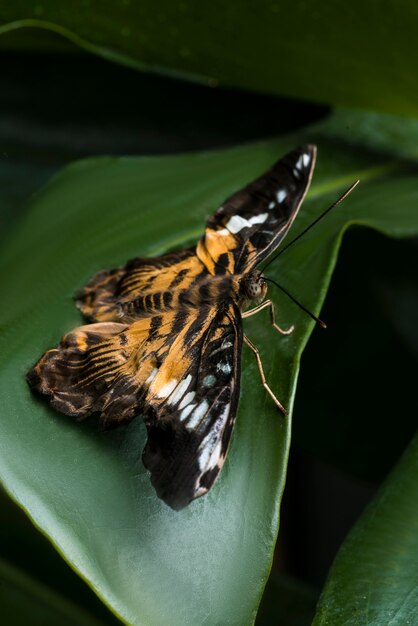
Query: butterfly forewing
x=252 y=222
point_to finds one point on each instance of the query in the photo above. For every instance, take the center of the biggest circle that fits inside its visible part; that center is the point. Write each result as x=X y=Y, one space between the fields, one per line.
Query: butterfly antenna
x=312 y=224
x=289 y=295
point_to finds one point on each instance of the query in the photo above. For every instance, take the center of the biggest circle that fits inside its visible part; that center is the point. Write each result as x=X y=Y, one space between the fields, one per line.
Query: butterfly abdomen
x=144 y=306
x=202 y=291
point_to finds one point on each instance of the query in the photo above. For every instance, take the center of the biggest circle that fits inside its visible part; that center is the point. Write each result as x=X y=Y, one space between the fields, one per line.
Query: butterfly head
x=254 y=286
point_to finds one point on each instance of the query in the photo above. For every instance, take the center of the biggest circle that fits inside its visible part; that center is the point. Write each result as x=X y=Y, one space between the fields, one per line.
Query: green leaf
x=87 y=491
x=33 y=558
x=26 y=602
x=374 y=579
x=340 y=53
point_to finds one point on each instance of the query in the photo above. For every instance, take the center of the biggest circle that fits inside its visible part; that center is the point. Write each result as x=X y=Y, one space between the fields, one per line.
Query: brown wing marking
x=141 y=288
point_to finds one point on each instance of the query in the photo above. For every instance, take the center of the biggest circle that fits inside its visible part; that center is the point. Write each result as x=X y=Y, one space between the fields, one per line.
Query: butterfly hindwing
x=93 y=371
x=251 y=223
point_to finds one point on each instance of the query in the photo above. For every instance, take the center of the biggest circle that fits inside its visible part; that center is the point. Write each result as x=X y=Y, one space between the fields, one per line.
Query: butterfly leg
x=262 y=376
x=270 y=305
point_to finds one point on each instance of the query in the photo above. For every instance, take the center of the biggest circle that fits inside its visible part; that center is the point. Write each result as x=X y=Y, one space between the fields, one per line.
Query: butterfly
x=165 y=336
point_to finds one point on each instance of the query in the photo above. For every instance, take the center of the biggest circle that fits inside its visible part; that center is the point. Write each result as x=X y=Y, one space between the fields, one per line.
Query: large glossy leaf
x=89 y=492
x=339 y=52
x=374 y=579
x=33 y=558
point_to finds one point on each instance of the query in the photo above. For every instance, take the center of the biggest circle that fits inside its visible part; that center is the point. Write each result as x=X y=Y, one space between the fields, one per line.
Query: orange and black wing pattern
x=190 y=419
x=165 y=336
x=252 y=222
x=179 y=370
x=141 y=288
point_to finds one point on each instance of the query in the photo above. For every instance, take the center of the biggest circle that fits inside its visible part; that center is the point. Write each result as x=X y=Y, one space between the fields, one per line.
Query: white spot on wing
x=211 y=446
x=180 y=390
x=167 y=389
x=209 y=457
x=299 y=162
x=152 y=375
x=237 y=223
x=224 y=345
x=272 y=205
x=214 y=457
x=258 y=219
x=197 y=414
x=185 y=412
x=281 y=195
x=209 y=380
x=187 y=399
x=224 y=367
x=305 y=159
x=204 y=458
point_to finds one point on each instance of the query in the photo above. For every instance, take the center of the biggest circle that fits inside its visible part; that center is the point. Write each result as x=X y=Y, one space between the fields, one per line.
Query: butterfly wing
x=140 y=288
x=251 y=223
x=93 y=369
x=189 y=430
x=180 y=370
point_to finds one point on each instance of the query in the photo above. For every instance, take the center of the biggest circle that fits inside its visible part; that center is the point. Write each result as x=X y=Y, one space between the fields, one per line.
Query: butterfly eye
x=255 y=286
